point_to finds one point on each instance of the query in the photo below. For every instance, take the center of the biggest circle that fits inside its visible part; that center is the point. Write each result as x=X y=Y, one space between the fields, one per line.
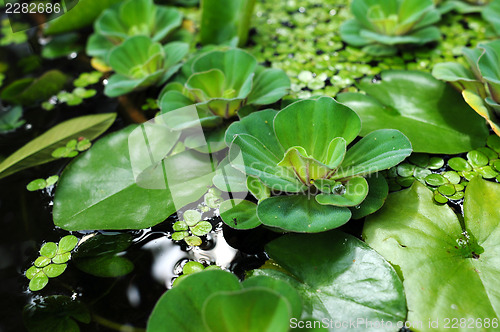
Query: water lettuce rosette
x=380 y=26
x=480 y=85
x=315 y=178
x=139 y=63
x=221 y=82
x=131 y=18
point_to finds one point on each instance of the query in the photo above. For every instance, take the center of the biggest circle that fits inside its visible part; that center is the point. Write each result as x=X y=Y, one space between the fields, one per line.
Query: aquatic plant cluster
x=348 y=154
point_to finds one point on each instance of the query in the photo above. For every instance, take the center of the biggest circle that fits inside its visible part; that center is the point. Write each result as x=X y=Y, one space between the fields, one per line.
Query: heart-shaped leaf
x=79 y=206
x=254 y=309
x=429 y=112
x=429 y=244
x=340 y=278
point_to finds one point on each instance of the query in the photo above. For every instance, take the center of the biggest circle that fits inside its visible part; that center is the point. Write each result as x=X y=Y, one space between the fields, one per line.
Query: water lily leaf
x=39 y=150
x=239 y=214
x=29 y=91
x=256 y=309
x=106 y=165
x=83 y=14
x=56 y=313
x=281 y=287
x=180 y=308
x=353 y=193
x=464 y=254
x=300 y=213
x=312 y=124
x=377 y=151
x=354 y=283
x=429 y=112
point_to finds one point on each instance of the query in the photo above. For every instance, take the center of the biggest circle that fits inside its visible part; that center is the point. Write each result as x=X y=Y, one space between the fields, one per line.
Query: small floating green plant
x=380 y=26
x=51 y=263
x=302 y=152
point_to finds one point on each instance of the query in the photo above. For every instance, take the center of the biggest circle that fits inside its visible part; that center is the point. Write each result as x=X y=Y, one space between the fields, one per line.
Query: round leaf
x=460 y=256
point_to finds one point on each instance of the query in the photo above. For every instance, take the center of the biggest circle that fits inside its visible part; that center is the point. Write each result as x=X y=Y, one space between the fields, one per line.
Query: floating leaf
x=39 y=150
x=429 y=112
x=354 y=283
x=78 y=206
x=461 y=254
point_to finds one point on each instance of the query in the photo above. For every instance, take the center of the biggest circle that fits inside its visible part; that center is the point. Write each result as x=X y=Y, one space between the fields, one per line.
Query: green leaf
x=107 y=266
x=202 y=228
x=239 y=214
x=300 y=213
x=192 y=267
x=429 y=112
x=193 y=240
x=252 y=157
x=312 y=124
x=355 y=282
x=377 y=151
x=38 y=282
x=67 y=243
x=269 y=86
x=191 y=217
x=458 y=76
x=61 y=46
x=54 y=270
x=36 y=184
x=255 y=309
x=39 y=150
x=279 y=286
x=260 y=126
x=306 y=168
x=83 y=14
x=107 y=166
x=41 y=261
x=48 y=250
x=225 y=20
x=461 y=254
x=97 y=255
x=55 y=313
x=30 y=91
x=353 y=192
x=11 y=119
x=180 y=308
